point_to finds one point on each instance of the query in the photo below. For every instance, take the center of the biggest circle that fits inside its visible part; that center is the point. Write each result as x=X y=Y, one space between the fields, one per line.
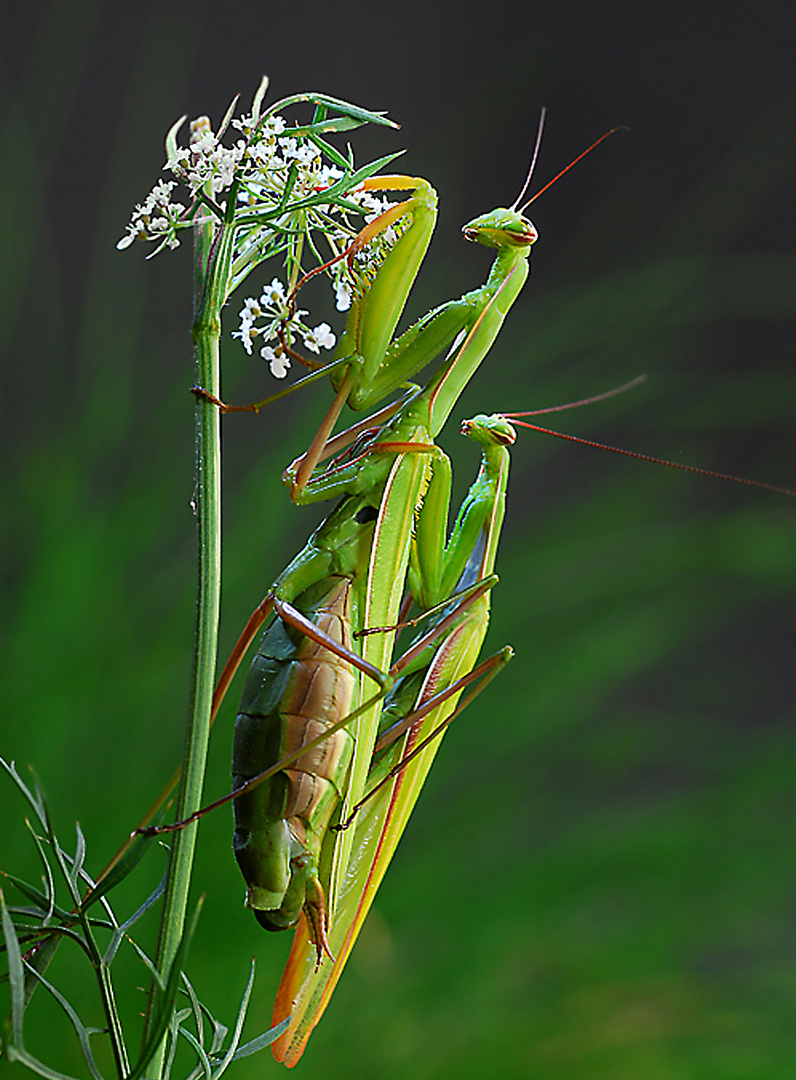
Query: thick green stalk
x=211 y=271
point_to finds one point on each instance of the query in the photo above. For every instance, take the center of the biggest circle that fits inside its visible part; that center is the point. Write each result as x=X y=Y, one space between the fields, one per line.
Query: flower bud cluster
x=273 y=173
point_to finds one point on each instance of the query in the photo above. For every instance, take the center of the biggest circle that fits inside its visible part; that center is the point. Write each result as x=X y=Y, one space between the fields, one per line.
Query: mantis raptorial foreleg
x=377 y=366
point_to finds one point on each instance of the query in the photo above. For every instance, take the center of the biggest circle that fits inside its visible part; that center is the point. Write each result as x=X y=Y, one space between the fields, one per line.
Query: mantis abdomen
x=295 y=690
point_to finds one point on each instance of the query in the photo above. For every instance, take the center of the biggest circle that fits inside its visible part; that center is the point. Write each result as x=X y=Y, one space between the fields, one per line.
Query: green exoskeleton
x=355 y=564
x=364 y=544
x=421 y=702
x=308 y=748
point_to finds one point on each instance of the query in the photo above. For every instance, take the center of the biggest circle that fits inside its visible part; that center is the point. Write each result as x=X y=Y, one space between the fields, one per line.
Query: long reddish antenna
x=621 y=127
x=654 y=460
x=583 y=401
x=542 y=115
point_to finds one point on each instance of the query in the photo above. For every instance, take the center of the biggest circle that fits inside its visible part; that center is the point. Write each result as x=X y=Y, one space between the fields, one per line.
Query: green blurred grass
x=598 y=881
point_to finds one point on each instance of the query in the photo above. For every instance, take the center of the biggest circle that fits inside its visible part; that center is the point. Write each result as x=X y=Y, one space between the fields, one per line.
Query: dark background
x=598 y=881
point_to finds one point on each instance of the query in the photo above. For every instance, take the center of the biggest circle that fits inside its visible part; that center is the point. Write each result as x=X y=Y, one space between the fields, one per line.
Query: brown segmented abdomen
x=296 y=689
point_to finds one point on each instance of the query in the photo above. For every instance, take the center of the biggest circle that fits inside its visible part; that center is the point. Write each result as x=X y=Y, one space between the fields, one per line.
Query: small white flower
x=279 y=365
x=246 y=333
x=319 y=338
x=161 y=191
x=250 y=311
x=273 y=295
x=202 y=142
x=342 y=292
x=307 y=153
x=327 y=175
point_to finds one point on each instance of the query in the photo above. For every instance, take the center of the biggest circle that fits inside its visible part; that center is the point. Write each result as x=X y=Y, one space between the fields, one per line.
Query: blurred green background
x=598 y=881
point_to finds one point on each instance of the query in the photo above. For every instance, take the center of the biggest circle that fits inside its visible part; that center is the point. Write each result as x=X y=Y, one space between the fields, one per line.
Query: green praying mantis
x=391 y=522
x=333 y=739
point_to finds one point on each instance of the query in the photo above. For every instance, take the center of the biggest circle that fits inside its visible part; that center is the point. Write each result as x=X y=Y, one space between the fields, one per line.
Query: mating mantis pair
x=309 y=743
x=390 y=523
x=351 y=575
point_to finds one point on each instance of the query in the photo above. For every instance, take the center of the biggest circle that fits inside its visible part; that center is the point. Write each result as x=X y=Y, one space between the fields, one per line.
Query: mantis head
x=494 y=429
x=501 y=228
x=510 y=228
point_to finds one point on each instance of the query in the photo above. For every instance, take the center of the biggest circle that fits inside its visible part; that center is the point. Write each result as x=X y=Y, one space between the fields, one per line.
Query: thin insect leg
x=348 y=437
x=316 y=447
x=255 y=781
x=255 y=406
x=293 y=617
x=481 y=586
x=485 y=671
x=255 y=621
x=428 y=638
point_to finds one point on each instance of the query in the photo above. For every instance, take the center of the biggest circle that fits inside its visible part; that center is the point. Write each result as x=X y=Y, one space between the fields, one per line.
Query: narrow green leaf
x=365 y=116
x=204 y=1066
x=128 y=862
x=120 y=931
x=148 y=964
x=261 y=1041
x=373 y=167
x=38 y=898
x=333 y=123
x=81 y=1030
x=36 y=800
x=290 y=183
x=236 y=1031
x=198 y=1017
x=228 y=116
x=16 y=974
x=79 y=857
x=48 y=875
x=171 y=142
x=257 y=101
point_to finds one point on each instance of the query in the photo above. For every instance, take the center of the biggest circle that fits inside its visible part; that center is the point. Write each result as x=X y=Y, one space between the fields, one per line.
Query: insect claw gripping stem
x=205 y=395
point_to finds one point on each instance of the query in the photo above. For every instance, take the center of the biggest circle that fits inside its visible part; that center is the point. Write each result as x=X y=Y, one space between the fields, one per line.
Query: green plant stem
x=210 y=273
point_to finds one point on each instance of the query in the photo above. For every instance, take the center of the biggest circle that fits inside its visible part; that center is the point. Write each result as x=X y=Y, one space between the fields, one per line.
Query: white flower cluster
x=260 y=163
x=263 y=161
x=273 y=306
x=156 y=218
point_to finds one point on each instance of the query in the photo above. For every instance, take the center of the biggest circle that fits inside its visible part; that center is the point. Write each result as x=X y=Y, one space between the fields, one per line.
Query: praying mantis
x=294 y=772
x=429 y=679
x=366 y=542
x=359 y=558
x=351 y=577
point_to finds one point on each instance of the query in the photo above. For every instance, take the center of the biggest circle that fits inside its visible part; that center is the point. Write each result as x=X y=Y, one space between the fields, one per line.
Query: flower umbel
x=273 y=188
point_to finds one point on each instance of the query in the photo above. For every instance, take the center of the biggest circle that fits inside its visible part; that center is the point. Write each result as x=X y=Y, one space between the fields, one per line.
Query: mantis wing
x=307 y=984
x=305 y=989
